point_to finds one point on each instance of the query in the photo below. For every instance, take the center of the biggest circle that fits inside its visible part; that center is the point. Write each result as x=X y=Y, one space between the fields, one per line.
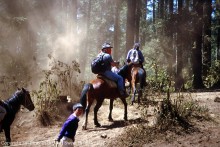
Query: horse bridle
x=26 y=103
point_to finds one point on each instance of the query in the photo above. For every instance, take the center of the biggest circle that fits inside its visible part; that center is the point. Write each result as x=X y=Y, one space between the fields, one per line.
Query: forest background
x=180 y=40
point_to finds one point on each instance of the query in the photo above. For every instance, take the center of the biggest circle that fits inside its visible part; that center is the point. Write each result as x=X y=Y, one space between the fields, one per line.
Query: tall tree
x=207 y=36
x=143 y=24
x=130 y=25
x=179 y=66
x=117 y=29
x=137 y=20
x=170 y=53
x=218 y=30
x=197 y=48
x=85 y=45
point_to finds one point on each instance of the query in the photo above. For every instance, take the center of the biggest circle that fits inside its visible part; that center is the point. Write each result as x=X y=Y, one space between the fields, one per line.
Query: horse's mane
x=15 y=100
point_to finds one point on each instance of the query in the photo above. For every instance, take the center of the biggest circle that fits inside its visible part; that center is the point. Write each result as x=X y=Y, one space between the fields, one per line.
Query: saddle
x=112 y=84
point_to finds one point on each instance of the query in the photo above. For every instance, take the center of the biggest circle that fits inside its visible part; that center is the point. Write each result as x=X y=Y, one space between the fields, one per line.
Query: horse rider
x=135 y=56
x=109 y=62
x=2 y=114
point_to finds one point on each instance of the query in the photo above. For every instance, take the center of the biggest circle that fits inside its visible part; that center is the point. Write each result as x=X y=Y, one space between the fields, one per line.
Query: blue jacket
x=107 y=59
x=69 y=128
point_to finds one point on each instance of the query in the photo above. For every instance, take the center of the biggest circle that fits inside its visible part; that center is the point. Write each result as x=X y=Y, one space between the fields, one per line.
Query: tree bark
x=130 y=25
x=179 y=77
x=207 y=36
x=197 y=49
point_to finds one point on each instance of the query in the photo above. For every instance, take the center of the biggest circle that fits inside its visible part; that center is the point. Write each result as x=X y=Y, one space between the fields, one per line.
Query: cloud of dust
x=51 y=28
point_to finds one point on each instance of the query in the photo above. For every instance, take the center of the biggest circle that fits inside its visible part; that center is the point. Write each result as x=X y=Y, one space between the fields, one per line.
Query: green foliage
x=66 y=76
x=157 y=77
x=61 y=79
x=47 y=95
x=188 y=108
x=213 y=75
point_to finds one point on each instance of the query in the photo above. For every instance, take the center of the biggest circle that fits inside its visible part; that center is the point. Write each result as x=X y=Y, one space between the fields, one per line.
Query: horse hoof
x=83 y=127
x=110 y=119
x=97 y=125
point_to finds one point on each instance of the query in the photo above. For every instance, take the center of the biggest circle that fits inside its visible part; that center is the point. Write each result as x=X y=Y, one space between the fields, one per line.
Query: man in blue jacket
x=109 y=62
x=68 y=130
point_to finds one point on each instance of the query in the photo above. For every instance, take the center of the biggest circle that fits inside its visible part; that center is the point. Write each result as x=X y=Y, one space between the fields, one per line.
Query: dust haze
x=32 y=30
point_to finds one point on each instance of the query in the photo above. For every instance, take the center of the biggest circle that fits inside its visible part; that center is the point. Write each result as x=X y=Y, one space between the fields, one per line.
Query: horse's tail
x=83 y=96
x=141 y=77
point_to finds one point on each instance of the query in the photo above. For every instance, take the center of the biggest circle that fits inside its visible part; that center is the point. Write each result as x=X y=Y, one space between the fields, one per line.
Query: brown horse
x=137 y=76
x=99 y=89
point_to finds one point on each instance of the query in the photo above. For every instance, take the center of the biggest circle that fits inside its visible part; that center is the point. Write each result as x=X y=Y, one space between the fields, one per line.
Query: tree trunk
x=85 y=45
x=143 y=34
x=137 y=20
x=130 y=25
x=117 y=37
x=179 y=77
x=197 y=49
x=218 y=38
x=169 y=33
x=207 y=36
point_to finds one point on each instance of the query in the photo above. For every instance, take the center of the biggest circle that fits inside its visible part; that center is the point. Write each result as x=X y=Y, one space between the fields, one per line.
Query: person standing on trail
x=70 y=126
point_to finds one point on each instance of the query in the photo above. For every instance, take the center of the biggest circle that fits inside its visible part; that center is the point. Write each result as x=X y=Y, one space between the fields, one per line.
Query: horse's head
x=26 y=99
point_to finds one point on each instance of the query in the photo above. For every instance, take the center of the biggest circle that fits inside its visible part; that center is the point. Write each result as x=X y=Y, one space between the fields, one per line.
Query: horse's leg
x=7 y=135
x=139 y=95
x=133 y=93
x=125 y=108
x=110 y=110
x=97 y=106
x=142 y=80
x=89 y=103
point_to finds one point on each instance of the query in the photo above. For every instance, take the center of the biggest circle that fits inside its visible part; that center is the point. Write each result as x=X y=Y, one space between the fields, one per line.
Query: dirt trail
x=26 y=130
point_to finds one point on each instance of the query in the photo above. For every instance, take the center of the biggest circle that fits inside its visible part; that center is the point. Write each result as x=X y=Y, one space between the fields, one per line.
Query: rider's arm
x=128 y=56
x=140 y=56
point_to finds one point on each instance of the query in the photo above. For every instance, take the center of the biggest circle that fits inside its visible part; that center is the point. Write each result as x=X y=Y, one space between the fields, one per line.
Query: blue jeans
x=115 y=77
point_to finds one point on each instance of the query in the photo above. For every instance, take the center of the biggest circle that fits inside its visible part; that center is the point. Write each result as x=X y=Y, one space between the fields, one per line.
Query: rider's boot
x=123 y=94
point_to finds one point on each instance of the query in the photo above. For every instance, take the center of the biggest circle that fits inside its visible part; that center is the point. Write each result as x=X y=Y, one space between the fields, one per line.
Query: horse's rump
x=134 y=73
x=103 y=87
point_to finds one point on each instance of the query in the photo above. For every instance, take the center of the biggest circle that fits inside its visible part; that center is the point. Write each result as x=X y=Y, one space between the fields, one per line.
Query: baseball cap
x=77 y=105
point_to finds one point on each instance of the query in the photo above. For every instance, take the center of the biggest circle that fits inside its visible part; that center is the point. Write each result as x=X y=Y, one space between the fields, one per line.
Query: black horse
x=12 y=106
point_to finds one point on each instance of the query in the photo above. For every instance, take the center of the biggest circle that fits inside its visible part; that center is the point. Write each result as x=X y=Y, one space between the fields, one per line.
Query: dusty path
x=27 y=132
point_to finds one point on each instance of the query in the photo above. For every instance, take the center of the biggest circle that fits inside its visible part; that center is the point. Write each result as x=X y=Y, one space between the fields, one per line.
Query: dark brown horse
x=12 y=106
x=99 y=89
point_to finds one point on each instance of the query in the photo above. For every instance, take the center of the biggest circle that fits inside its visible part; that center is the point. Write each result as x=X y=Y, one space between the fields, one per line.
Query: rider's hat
x=106 y=45
x=136 y=45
